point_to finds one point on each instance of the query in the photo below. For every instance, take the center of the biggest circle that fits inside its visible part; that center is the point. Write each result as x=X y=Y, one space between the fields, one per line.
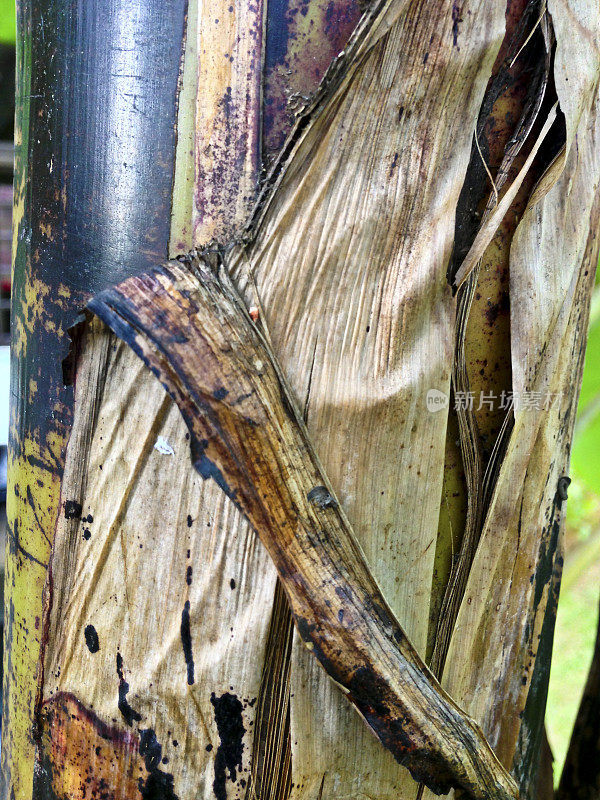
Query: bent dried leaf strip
x=481 y=472
x=490 y=226
x=511 y=581
x=362 y=230
x=576 y=24
x=194 y=334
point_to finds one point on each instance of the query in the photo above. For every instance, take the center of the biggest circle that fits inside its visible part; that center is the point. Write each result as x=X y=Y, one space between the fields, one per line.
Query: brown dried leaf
x=193 y=332
x=514 y=579
x=347 y=262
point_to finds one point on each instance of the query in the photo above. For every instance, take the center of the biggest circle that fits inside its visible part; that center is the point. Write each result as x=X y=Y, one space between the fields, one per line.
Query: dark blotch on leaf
x=91 y=639
x=72 y=509
x=129 y=714
x=150 y=749
x=186 y=642
x=563 y=485
x=230 y=726
x=158 y=785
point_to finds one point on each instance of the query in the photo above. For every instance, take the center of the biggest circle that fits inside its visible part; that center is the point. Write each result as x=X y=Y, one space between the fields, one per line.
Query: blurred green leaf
x=574 y=639
x=586 y=449
x=577 y=609
x=7 y=21
x=585 y=464
x=590 y=387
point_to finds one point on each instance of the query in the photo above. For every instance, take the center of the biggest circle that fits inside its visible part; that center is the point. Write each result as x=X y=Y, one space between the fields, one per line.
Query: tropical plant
x=381 y=218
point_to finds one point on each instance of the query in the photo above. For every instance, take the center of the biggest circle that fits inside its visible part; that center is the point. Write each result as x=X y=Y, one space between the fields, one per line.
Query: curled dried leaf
x=491 y=224
x=190 y=328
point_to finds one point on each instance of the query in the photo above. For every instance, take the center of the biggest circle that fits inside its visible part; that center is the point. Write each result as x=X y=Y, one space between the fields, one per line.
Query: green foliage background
x=7 y=21
x=577 y=618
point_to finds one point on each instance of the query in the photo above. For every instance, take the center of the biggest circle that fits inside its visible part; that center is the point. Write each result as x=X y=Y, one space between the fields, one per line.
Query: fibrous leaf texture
x=311 y=420
x=195 y=335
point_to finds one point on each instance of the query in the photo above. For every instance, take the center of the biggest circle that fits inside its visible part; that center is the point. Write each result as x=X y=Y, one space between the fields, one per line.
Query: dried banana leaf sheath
x=188 y=325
